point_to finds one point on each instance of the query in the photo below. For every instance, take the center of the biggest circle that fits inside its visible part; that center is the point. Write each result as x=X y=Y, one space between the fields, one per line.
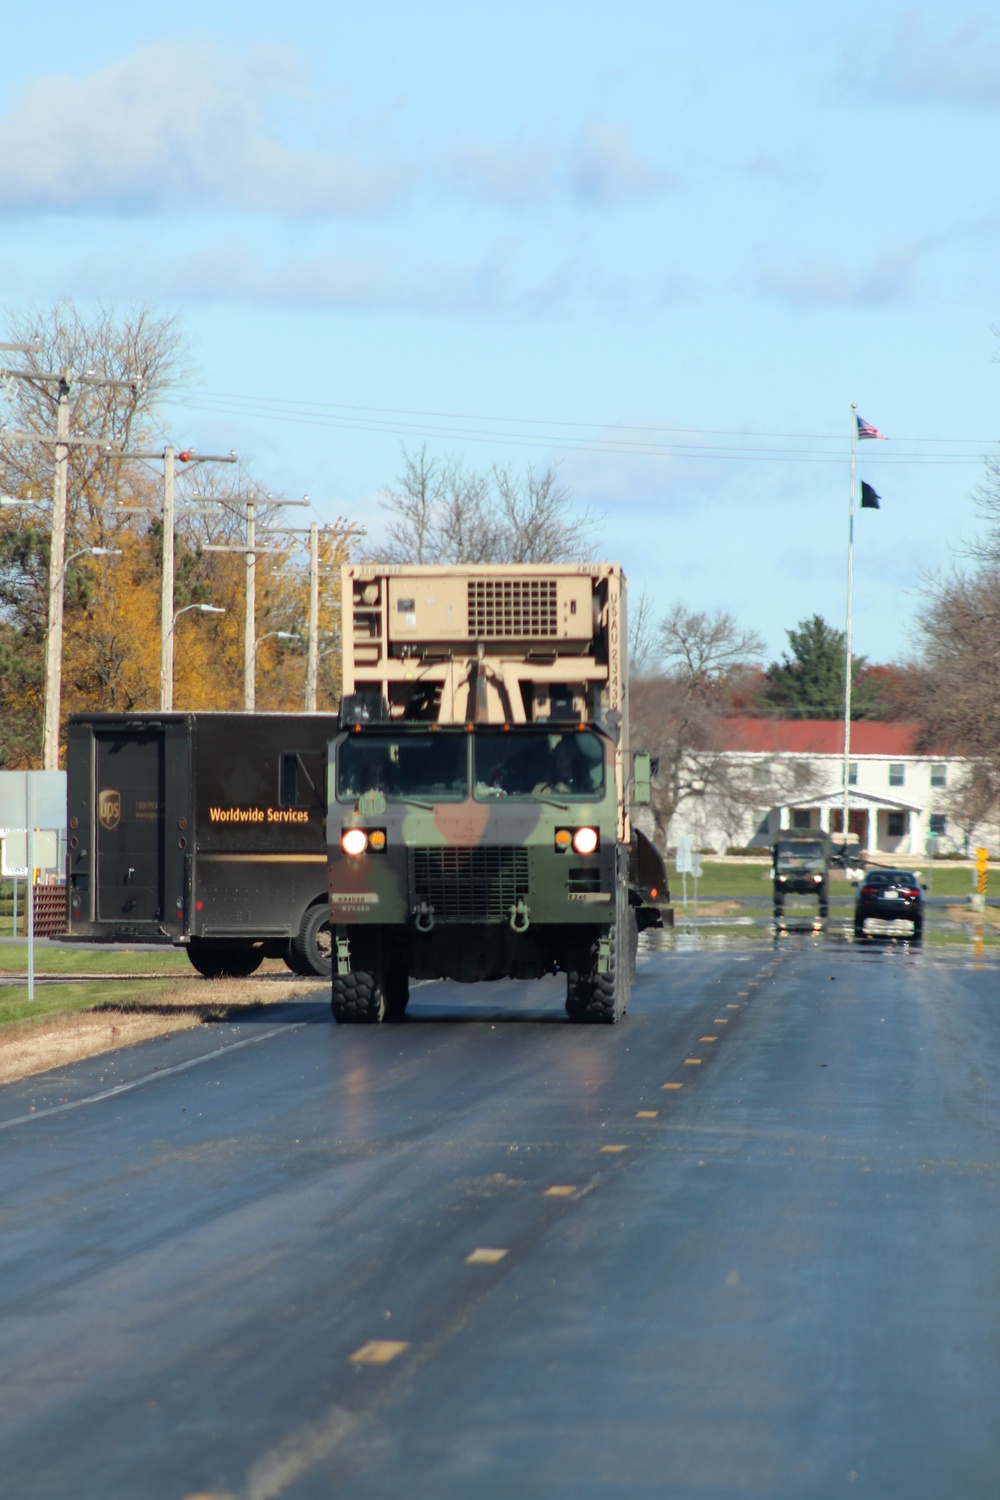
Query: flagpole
x=850 y=620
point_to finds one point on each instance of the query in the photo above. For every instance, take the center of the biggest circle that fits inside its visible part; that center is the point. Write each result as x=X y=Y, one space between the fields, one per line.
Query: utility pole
x=167 y=585
x=345 y=532
x=250 y=550
x=170 y=457
x=63 y=379
x=312 y=660
x=57 y=553
x=250 y=618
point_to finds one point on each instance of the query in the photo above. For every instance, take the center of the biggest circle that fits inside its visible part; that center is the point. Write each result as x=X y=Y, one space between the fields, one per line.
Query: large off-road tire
x=358 y=998
x=779 y=908
x=217 y=961
x=603 y=998
x=310 y=950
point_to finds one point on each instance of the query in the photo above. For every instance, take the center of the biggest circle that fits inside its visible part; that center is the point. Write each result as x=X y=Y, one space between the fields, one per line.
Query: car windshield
x=412 y=765
x=565 y=764
x=890 y=877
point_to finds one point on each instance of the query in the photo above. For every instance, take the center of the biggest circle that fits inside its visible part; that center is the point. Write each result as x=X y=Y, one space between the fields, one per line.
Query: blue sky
x=665 y=247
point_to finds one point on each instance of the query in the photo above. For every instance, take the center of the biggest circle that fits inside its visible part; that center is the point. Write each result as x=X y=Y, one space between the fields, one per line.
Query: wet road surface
x=744 y=1244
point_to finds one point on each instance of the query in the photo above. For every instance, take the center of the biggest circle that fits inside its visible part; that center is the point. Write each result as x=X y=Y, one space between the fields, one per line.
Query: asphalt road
x=236 y=1261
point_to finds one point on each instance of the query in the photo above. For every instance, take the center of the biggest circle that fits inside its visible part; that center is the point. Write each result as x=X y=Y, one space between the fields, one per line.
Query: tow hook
x=519 y=919
x=425 y=917
x=343 y=956
x=604 y=955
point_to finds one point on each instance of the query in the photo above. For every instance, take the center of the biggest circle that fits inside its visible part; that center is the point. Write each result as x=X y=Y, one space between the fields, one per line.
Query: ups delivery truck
x=481 y=787
x=205 y=830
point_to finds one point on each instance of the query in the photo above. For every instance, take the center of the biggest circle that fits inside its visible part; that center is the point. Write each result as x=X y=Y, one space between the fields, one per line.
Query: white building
x=898 y=799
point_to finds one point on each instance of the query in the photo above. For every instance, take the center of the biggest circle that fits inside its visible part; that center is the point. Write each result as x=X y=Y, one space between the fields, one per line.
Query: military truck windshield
x=801 y=849
x=567 y=764
x=413 y=765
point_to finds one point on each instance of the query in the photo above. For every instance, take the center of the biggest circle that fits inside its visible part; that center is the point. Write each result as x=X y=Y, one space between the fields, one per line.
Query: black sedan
x=892 y=895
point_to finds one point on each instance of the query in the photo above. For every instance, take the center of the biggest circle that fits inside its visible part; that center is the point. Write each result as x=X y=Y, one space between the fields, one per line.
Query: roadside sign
x=982 y=864
x=682 y=857
x=696 y=864
x=45 y=853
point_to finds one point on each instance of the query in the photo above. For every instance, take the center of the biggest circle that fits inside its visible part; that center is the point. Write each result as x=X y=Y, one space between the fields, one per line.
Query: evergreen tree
x=808 y=682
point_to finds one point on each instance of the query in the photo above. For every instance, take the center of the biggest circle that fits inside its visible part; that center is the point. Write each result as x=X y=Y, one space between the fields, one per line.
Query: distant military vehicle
x=802 y=865
x=479 y=790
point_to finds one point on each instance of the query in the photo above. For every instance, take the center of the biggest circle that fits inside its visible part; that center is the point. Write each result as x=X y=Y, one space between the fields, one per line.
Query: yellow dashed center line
x=378 y=1352
x=692 y=1062
x=708 y=1039
x=646 y=1114
x=559 y=1190
x=732 y=1005
x=721 y=1021
x=614 y=1148
x=484 y=1257
x=671 y=1085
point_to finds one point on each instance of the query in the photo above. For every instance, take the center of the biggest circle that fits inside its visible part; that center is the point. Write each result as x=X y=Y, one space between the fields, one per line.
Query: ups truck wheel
x=596 y=997
x=358 y=998
x=215 y=961
x=310 y=949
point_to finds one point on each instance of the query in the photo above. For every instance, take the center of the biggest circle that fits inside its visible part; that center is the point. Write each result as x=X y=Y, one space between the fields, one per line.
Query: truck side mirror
x=641 y=775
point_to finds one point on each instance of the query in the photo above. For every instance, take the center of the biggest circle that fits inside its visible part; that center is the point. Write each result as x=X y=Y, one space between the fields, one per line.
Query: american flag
x=866 y=430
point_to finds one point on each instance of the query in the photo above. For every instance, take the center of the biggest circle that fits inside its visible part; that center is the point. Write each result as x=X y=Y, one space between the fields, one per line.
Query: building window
x=800 y=817
x=897 y=825
x=762 y=773
x=852 y=773
x=939 y=774
x=896 y=773
x=939 y=825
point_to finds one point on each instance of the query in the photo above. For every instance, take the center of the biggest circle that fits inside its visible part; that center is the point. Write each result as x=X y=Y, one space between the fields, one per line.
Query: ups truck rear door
x=128 y=803
x=130 y=781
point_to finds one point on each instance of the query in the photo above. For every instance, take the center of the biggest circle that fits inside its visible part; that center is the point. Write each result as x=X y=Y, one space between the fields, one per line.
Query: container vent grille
x=512 y=609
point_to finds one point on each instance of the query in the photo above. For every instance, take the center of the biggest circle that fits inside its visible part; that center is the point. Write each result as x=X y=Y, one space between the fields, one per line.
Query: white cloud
x=886 y=279
x=600 y=166
x=605 y=166
x=962 y=68
x=183 y=125
x=177 y=124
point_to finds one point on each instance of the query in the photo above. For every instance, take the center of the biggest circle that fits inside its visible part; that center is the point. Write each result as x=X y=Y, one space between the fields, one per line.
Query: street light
x=281 y=635
x=167 y=685
x=91 y=552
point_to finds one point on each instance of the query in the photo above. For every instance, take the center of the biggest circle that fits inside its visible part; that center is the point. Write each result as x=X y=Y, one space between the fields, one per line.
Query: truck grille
x=512 y=609
x=469 y=885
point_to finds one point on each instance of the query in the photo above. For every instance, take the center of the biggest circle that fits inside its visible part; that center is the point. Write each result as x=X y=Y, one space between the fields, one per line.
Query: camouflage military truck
x=479 y=790
x=802 y=865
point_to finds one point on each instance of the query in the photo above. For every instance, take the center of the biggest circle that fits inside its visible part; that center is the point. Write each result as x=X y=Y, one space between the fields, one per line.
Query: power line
x=399 y=422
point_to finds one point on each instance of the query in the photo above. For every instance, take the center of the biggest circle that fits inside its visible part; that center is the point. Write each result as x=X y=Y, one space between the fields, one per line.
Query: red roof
x=820 y=736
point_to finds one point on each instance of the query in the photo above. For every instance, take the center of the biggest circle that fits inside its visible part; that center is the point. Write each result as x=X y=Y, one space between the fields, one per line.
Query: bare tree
x=679 y=715
x=443 y=512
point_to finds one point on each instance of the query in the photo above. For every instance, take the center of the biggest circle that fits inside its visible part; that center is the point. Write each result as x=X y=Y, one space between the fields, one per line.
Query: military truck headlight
x=585 y=840
x=354 y=841
x=818 y=879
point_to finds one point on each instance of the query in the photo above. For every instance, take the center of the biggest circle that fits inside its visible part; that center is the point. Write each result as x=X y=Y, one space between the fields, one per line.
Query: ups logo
x=109 y=809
